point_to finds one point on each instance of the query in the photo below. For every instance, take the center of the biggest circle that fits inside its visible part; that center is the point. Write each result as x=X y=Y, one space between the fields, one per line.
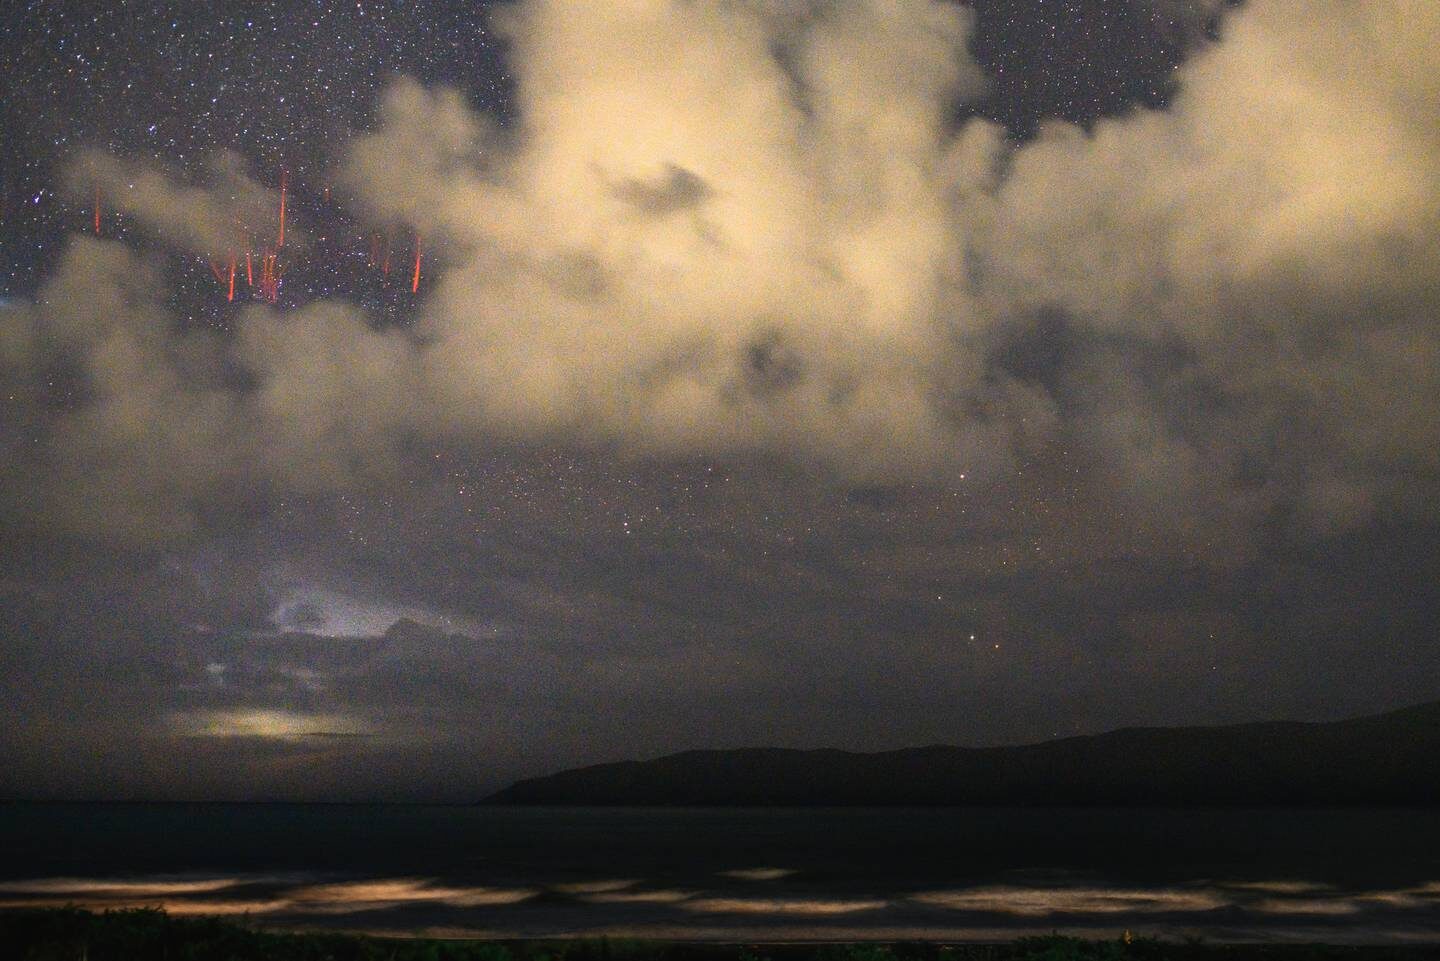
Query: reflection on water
x=90 y=887
x=1039 y=902
x=1242 y=910
x=1281 y=887
x=641 y=897
x=1297 y=906
x=757 y=874
x=1339 y=876
x=780 y=906
x=376 y=895
x=596 y=887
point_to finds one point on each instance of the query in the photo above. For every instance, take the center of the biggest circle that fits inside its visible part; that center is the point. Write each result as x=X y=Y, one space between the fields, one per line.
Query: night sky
x=808 y=373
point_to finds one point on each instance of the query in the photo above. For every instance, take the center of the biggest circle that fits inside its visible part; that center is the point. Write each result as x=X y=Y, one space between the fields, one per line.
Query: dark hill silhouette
x=1391 y=758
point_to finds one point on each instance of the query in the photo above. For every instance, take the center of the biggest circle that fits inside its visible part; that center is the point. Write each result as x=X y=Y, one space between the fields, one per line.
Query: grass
x=151 y=935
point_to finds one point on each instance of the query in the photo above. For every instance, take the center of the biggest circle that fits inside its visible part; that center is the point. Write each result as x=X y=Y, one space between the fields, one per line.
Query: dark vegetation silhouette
x=142 y=935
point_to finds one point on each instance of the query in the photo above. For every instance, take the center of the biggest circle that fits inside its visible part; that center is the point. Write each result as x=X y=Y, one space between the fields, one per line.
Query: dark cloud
x=679 y=189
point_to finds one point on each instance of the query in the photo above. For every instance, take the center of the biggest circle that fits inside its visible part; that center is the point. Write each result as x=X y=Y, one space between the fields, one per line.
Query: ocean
x=947 y=874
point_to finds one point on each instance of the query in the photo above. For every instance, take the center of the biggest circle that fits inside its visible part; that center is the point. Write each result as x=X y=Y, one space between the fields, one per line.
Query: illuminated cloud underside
x=722 y=249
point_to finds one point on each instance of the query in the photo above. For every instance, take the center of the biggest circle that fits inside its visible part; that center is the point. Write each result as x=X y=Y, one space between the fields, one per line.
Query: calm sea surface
x=751 y=874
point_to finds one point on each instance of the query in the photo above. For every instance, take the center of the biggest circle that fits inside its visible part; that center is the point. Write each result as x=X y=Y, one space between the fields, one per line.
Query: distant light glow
x=263 y=723
x=328 y=613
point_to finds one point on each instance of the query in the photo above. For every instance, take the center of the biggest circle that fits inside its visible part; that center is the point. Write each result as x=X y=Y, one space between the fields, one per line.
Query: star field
x=1050 y=410
x=283 y=84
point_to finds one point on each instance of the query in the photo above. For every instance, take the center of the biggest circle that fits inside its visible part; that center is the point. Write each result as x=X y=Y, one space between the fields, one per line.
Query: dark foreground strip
x=141 y=935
